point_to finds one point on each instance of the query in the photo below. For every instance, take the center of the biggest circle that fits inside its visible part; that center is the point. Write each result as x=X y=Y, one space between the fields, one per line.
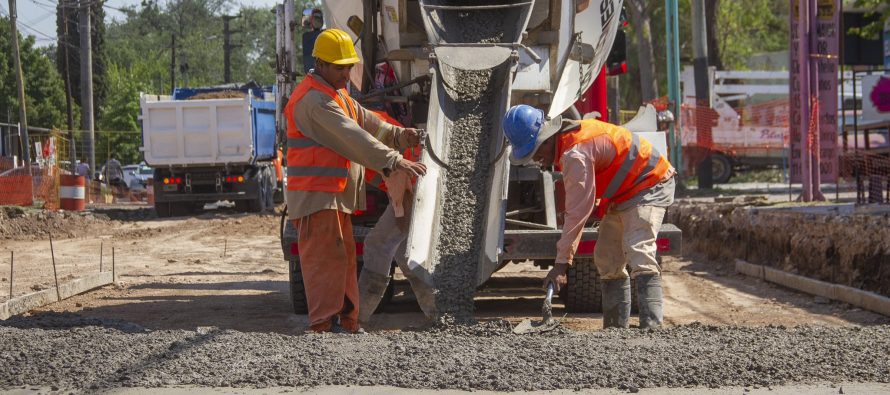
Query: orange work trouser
x=327 y=259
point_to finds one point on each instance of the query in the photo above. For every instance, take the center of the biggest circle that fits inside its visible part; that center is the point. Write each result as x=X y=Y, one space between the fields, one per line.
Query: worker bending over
x=634 y=185
x=330 y=137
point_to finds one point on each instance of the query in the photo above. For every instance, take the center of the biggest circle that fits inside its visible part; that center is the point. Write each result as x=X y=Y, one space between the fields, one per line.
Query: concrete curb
x=25 y=303
x=856 y=297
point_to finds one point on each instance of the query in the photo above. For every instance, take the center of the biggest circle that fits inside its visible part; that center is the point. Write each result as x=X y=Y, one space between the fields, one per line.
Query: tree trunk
x=640 y=17
x=711 y=7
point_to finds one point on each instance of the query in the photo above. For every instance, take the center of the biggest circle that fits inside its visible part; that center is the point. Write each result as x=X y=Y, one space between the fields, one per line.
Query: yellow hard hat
x=335 y=46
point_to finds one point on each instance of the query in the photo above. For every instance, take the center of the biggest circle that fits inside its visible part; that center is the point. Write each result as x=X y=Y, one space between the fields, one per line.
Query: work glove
x=557 y=276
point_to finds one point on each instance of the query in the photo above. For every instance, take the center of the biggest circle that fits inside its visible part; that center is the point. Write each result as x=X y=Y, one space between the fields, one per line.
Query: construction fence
x=61 y=152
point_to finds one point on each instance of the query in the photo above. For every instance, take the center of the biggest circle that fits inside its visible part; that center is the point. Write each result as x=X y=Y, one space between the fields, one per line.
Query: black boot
x=616 y=303
x=649 y=296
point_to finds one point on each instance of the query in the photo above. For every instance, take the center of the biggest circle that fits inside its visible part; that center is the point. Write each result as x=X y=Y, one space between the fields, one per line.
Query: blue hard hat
x=522 y=125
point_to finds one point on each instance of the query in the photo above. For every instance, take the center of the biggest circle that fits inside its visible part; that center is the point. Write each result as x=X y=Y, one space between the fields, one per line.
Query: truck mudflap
x=521 y=244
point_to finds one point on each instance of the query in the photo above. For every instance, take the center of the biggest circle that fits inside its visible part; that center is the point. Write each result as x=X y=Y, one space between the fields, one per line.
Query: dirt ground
x=225 y=270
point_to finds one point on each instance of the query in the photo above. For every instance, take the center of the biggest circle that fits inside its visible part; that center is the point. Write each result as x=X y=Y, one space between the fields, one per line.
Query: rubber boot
x=371 y=287
x=649 y=297
x=616 y=303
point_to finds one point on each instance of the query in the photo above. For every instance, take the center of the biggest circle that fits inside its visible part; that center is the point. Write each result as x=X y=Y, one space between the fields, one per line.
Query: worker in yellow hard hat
x=330 y=139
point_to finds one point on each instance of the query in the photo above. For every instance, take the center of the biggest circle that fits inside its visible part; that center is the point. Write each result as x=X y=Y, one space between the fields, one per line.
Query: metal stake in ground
x=11 y=266
x=225 y=246
x=55 y=272
x=101 y=244
x=113 y=275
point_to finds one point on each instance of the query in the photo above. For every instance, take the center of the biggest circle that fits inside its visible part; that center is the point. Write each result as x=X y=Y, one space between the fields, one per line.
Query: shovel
x=546 y=324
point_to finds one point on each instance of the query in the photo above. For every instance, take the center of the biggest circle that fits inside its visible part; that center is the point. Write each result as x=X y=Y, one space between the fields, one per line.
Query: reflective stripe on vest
x=636 y=166
x=310 y=165
x=375 y=179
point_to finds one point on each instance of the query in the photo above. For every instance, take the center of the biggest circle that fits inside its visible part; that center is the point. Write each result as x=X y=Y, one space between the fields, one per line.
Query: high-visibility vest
x=310 y=165
x=636 y=166
x=374 y=178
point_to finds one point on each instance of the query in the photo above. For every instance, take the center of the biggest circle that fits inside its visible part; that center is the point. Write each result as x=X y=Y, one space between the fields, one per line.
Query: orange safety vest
x=636 y=166
x=310 y=165
x=374 y=178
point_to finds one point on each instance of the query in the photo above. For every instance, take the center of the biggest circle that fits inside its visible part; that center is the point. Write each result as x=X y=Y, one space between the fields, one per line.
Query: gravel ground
x=73 y=352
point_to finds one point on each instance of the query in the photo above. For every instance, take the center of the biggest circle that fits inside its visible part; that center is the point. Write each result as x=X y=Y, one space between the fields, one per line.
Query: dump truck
x=541 y=53
x=212 y=144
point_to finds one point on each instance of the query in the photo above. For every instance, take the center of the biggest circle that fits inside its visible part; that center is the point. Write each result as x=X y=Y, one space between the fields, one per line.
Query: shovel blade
x=528 y=326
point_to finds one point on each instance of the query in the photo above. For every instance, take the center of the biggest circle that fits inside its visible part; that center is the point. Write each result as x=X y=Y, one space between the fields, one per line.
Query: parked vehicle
x=136 y=176
x=211 y=144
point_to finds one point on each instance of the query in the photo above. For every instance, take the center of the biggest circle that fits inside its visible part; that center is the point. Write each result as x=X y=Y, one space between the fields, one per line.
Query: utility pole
x=172 y=62
x=228 y=47
x=702 y=94
x=24 y=143
x=86 y=81
x=68 y=106
x=672 y=16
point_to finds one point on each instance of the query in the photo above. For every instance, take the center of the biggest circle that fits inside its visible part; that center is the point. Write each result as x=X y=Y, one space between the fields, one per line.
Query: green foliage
x=44 y=90
x=745 y=28
x=68 y=31
x=873 y=30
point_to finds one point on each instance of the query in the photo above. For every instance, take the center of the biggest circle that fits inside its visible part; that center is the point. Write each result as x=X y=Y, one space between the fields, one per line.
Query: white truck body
x=196 y=132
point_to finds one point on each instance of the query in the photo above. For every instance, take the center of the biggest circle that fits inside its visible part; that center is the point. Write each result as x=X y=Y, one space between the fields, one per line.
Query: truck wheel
x=181 y=209
x=278 y=196
x=270 y=188
x=583 y=293
x=258 y=204
x=297 y=289
x=722 y=168
x=162 y=210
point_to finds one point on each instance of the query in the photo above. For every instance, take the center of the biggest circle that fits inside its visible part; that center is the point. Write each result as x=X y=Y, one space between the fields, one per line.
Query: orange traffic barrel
x=72 y=191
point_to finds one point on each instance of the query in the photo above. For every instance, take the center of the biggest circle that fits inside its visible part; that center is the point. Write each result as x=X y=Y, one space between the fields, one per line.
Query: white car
x=137 y=176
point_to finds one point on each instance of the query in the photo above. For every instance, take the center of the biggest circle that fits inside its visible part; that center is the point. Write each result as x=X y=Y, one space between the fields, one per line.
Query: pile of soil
x=218 y=95
x=852 y=250
x=17 y=223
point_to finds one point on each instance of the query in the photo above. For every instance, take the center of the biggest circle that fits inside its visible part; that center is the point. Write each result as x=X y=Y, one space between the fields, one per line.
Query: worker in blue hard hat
x=612 y=173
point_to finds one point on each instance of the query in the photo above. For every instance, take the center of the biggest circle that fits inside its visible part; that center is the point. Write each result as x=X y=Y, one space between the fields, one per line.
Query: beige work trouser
x=627 y=237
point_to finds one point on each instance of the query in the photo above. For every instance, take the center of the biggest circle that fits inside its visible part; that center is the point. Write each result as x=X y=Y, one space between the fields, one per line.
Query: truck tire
x=722 y=168
x=182 y=209
x=278 y=196
x=162 y=209
x=270 y=188
x=583 y=293
x=297 y=289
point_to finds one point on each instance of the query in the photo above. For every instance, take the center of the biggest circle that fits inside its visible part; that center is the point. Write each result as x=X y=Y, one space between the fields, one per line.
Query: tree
x=874 y=29
x=640 y=15
x=750 y=27
x=44 y=92
x=119 y=119
x=69 y=13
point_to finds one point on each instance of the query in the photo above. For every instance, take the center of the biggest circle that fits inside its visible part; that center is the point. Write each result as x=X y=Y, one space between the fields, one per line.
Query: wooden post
x=55 y=272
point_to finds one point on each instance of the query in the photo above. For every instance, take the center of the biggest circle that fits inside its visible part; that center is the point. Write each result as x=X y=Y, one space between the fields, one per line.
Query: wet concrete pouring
x=76 y=352
x=470 y=94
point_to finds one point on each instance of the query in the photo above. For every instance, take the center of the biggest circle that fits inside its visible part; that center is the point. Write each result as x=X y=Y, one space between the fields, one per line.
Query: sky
x=38 y=17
